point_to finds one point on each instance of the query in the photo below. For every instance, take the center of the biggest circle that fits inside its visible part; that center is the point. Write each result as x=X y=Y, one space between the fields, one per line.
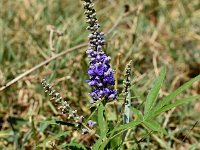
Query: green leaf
x=44 y=124
x=74 y=145
x=52 y=107
x=114 y=143
x=175 y=104
x=16 y=120
x=127 y=126
x=26 y=137
x=119 y=130
x=6 y=133
x=137 y=113
x=154 y=125
x=153 y=94
x=48 y=140
x=102 y=126
x=167 y=99
x=51 y=121
x=98 y=143
x=101 y=121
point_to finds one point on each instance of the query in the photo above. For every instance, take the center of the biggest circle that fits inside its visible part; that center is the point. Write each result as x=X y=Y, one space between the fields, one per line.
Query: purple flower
x=106 y=93
x=84 y=131
x=91 y=123
x=101 y=77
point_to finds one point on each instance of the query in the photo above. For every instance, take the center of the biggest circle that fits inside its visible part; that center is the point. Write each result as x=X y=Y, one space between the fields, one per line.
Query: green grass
x=161 y=33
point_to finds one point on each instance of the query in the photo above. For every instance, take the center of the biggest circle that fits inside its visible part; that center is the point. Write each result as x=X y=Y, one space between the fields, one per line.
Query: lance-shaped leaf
x=170 y=97
x=175 y=104
x=153 y=94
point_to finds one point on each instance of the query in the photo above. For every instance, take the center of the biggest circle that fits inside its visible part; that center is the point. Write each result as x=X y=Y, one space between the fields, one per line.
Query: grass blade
x=98 y=143
x=153 y=94
x=101 y=121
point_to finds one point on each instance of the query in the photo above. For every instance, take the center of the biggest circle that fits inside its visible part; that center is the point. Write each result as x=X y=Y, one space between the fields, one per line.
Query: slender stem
x=116 y=83
x=117 y=70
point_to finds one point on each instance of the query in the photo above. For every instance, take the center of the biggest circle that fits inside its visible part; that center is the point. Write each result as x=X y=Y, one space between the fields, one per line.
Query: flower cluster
x=62 y=105
x=126 y=82
x=91 y=124
x=101 y=75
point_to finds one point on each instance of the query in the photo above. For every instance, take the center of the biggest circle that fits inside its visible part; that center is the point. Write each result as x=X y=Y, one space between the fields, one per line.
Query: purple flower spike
x=91 y=123
x=101 y=74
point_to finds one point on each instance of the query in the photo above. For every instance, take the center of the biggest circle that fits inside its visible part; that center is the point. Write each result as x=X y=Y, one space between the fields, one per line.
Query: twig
x=41 y=64
x=117 y=70
x=116 y=83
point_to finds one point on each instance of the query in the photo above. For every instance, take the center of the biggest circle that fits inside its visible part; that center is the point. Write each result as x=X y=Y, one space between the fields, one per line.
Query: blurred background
x=152 y=33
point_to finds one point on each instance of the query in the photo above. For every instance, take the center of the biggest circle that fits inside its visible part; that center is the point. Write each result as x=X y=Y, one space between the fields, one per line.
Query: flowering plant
x=102 y=81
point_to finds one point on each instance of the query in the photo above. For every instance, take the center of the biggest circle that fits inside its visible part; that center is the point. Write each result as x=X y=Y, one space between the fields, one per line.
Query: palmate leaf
x=153 y=94
x=170 y=97
x=175 y=104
